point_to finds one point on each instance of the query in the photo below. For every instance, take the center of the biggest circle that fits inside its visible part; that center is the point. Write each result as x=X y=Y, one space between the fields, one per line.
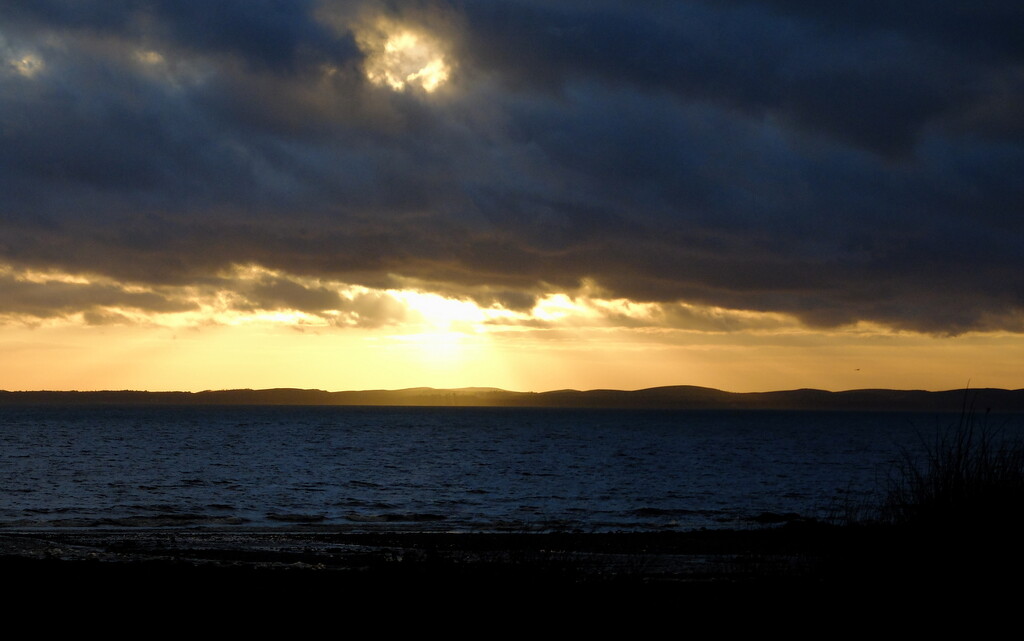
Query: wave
x=393 y=517
x=296 y=518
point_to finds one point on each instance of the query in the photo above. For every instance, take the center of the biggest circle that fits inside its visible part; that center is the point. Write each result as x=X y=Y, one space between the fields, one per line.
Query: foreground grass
x=969 y=478
x=950 y=513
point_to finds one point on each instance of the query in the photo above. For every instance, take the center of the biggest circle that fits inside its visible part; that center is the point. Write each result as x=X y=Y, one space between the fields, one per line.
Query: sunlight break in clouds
x=400 y=57
x=27 y=65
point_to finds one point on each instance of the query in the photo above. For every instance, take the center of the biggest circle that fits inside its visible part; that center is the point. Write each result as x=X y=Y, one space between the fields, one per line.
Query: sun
x=402 y=57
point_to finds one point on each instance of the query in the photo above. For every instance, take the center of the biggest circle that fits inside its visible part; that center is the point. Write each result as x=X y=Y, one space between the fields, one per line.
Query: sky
x=526 y=194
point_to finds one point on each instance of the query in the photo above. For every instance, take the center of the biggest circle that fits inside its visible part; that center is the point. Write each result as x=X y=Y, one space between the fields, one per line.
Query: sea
x=446 y=469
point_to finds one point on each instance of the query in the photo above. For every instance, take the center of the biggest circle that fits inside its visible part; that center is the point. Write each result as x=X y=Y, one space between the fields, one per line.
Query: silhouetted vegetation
x=950 y=513
x=968 y=477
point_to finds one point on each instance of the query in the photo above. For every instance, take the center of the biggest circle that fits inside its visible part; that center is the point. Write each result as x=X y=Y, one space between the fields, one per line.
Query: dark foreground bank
x=821 y=559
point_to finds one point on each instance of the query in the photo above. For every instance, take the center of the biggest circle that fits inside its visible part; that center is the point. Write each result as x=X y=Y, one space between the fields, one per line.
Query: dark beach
x=818 y=559
x=581 y=577
x=656 y=558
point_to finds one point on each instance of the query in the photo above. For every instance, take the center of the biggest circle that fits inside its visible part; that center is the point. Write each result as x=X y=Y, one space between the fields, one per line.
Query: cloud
x=337 y=303
x=50 y=298
x=835 y=162
x=278 y=293
x=243 y=294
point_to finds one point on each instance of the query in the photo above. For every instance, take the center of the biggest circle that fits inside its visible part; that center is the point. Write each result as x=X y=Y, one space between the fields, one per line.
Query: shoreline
x=289 y=576
x=670 y=558
x=795 y=554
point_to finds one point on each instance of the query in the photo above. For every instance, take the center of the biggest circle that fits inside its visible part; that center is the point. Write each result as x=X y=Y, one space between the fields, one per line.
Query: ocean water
x=440 y=468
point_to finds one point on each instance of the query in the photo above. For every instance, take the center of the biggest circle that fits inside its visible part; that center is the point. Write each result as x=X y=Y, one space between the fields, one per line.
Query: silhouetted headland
x=672 y=397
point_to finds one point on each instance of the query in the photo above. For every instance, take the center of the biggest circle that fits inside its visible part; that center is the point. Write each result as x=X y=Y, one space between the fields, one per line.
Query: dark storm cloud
x=989 y=28
x=272 y=33
x=874 y=89
x=838 y=161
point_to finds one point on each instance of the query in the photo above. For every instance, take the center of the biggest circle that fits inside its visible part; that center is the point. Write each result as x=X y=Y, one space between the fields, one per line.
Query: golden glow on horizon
x=241 y=330
x=261 y=356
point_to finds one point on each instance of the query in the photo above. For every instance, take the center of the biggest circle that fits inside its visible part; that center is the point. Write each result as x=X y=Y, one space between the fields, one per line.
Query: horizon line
x=486 y=389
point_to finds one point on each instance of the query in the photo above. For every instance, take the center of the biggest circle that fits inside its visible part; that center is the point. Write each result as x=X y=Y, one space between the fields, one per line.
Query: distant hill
x=674 y=397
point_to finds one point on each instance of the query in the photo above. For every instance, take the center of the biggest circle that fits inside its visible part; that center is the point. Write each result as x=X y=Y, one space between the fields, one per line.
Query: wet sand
x=254 y=577
x=662 y=557
x=798 y=553
x=293 y=579
x=813 y=558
